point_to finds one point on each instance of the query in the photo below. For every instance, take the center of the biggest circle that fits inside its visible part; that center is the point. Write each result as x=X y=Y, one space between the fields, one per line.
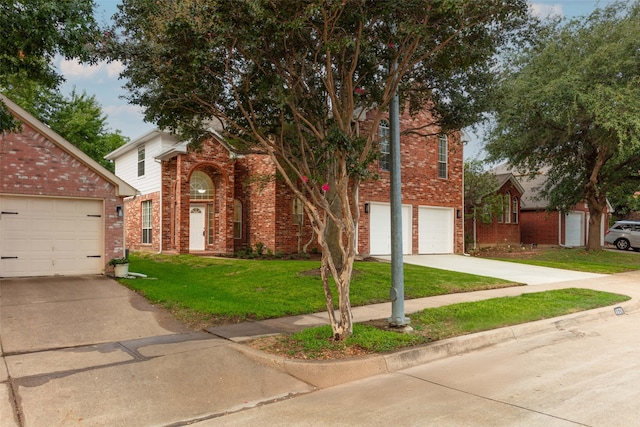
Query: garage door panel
x=435 y=230
x=380 y=229
x=50 y=236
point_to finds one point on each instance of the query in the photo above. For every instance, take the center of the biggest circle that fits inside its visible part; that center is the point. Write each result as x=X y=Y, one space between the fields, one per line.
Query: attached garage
x=435 y=230
x=380 y=229
x=60 y=211
x=41 y=236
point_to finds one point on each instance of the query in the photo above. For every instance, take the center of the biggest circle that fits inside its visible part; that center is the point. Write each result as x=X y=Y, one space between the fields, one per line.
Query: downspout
x=160 y=228
x=560 y=228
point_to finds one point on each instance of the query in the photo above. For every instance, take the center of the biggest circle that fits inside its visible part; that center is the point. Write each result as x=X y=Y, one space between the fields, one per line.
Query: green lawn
x=438 y=323
x=603 y=261
x=209 y=291
x=235 y=289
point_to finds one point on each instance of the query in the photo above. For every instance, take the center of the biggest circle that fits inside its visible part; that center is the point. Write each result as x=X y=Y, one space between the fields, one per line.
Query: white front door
x=196 y=227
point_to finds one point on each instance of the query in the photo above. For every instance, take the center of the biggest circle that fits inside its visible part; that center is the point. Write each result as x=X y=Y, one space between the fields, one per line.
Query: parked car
x=624 y=235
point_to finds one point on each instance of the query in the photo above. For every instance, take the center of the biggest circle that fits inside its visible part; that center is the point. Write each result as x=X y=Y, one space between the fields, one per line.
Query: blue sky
x=102 y=80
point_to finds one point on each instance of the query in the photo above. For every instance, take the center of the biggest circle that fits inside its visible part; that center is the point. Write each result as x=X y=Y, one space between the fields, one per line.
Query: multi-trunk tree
x=294 y=79
x=570 y=104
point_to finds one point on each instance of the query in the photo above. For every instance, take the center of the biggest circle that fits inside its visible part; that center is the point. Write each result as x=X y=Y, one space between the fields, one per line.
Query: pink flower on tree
x=305 y=179
x=360 y=91
x=325 y=187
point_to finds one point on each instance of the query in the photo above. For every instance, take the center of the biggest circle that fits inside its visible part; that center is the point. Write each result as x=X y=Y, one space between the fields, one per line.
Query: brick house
x=541 y=226
x=505 y=227
x=216 y=199
x=61 y=212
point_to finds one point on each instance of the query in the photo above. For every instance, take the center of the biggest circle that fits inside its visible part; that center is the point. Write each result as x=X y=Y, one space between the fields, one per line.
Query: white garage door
x=435 y=230
x=574 y=225
x=42 y=236
x=380 y=229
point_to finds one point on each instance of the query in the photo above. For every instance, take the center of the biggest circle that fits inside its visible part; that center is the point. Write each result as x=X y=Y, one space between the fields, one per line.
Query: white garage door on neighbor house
x=42 y=236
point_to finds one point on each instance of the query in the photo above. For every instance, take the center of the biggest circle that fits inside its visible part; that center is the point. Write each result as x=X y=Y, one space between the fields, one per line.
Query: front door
x=196 y=228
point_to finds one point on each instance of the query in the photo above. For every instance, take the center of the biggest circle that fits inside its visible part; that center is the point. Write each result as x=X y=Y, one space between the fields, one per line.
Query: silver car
x=624 y=235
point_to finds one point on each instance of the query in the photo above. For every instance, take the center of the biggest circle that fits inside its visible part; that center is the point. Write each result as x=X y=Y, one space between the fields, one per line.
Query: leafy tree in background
x=79 y=118
x=481 y=200
x=571 y=104
x=33 y=32
x=293 y=78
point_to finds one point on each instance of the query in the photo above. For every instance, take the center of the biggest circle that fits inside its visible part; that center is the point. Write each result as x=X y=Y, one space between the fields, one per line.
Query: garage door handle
x=95 y=216
x=94 y=256
x=8 y=213
x=9 y=257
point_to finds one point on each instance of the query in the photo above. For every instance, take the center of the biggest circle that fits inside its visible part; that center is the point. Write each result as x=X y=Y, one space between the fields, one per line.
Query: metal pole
x=398 y=319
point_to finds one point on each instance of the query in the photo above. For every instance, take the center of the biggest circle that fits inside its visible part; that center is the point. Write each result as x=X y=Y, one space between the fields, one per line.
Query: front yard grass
x=209 y=291
x=601 y=261
x=205 y=292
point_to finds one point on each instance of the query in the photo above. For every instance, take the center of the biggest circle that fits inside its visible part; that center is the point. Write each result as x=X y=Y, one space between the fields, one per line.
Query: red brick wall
x=133 y=213
x=30 y=164
x=420 y=183
x=539 y=227
x=500 y=233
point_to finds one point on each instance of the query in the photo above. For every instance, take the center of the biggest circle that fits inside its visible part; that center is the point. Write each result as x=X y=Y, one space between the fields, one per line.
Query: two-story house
x=216 y=199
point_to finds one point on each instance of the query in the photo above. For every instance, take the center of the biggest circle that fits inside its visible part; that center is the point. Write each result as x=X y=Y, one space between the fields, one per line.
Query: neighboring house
x=60 y=211
x=541 y=226
x=216 y=199
x=505 y=227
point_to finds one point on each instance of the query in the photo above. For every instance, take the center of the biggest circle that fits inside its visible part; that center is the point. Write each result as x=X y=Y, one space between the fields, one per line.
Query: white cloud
x=114 y=68
x=71 y=68
x=124 y=109
x=545 y=10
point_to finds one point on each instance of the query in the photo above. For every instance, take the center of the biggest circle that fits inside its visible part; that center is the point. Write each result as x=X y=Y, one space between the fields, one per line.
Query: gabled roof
x=503 y=178
x=122 y=188
x=134 y=144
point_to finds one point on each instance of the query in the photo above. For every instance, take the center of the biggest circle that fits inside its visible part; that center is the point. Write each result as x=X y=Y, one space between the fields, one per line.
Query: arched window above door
x=201 y=186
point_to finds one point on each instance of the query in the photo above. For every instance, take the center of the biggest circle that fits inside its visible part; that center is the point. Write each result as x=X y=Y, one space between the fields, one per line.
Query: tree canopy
x=294 y=78
x=570 y=105
x=33 y=32
x=77 y=118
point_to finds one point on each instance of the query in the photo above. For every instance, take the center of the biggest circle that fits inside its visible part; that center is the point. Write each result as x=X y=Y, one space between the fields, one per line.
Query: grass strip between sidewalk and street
x=435 y=324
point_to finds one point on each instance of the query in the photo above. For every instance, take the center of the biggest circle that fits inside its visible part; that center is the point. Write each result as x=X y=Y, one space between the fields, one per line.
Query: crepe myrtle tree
x=293 y=79
x=570 y=105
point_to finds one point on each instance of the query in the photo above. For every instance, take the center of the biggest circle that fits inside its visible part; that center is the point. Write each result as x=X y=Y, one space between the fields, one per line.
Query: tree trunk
x=595 y=223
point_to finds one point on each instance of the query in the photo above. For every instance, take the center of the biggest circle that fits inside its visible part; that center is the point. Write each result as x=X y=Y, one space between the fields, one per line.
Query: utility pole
x=397 y=319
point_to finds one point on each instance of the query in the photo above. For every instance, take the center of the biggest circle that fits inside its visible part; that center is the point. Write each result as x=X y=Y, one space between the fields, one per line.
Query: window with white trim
x=141 y=157
x=514 y=210
x=507 y=208
x=384 y=135
x=200 y=186
x=443 y=148
x=147 y=213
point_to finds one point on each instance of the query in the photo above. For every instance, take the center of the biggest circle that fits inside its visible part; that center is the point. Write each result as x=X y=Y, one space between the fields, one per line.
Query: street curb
x=329 y=373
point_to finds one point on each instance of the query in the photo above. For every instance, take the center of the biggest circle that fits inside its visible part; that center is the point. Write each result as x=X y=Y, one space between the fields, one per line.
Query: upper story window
x=141 y=157
x=201 y=187
x=443 y=149
x=385 y=146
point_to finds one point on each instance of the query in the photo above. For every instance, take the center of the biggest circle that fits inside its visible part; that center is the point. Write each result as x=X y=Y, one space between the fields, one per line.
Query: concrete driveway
x=519 y=273
x=87 y=351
